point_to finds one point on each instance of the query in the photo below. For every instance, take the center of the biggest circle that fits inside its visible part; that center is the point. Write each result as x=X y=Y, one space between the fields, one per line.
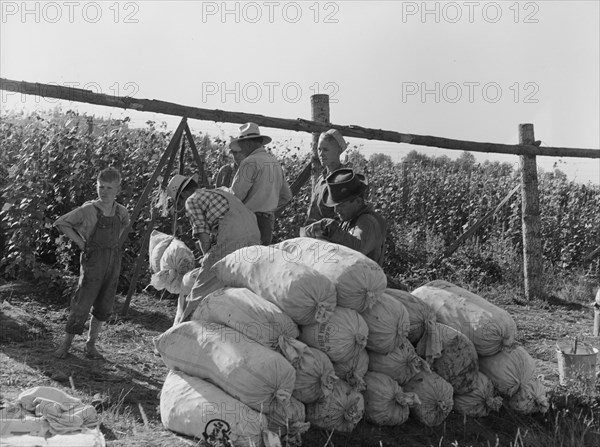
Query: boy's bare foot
x=63 y=350
x=92 y=353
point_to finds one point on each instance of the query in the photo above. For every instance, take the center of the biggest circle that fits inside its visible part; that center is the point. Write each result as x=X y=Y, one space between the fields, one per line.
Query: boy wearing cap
x=329 y=148
x=216 y=215
x=361 y=228
x=259 y=182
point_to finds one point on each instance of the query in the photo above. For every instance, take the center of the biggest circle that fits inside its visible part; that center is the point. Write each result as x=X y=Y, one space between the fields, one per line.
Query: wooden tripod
x=176 y=144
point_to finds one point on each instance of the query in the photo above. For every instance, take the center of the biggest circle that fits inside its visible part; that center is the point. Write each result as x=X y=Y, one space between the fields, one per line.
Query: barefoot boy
x=95 y=227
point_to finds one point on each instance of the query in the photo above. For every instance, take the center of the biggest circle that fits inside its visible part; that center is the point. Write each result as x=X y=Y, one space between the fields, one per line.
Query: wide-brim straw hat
x=178 y=184
x=248 y=131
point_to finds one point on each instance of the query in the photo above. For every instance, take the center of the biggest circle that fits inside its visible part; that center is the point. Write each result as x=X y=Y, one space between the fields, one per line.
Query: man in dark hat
x=259 y=182
x=361 y=228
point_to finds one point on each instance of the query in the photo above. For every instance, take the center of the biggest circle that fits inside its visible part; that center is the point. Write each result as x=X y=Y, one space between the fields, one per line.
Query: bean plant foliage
x=49 y=162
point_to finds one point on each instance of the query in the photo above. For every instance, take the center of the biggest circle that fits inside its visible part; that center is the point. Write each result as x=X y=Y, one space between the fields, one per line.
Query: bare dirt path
x=125 y=387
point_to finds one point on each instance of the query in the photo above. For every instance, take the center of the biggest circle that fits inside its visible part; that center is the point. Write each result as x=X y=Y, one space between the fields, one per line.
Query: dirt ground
x=125 y=388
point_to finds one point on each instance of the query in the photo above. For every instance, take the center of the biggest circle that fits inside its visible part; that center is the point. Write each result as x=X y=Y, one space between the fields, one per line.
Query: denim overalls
x=99 y=275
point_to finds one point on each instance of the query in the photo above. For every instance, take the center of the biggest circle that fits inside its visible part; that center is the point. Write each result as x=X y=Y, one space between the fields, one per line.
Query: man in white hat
x=216 y=216
x=259 y=182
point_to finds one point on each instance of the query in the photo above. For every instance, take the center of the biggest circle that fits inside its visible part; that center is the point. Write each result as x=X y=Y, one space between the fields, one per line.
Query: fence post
x=532 y=244
x=404 y=189
x=319 y=105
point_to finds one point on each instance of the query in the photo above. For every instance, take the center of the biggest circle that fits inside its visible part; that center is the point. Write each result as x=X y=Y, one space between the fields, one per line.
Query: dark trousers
x=266 y=222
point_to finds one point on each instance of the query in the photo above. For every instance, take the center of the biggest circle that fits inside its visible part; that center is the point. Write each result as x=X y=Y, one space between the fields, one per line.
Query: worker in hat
x=359 y=227
x=330 y=147
x=259 y=182
x=216 y=215
x=225 y=174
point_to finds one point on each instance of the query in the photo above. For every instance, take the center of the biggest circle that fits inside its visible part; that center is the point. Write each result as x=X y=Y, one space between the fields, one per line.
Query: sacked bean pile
x=293 y=343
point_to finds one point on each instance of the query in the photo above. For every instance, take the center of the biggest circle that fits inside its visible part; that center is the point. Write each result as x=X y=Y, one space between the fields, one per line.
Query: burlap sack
x=244 y=369
x=340 y=411
x=359 y=281
x=489 y=327
x=388 y=323
x=188 y=404
x=341 y=338
x=301 y=292
x=385 y=401
x=254 y=317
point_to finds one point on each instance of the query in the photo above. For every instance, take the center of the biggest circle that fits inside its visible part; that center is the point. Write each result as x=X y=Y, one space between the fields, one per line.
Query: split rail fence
x=527 y=149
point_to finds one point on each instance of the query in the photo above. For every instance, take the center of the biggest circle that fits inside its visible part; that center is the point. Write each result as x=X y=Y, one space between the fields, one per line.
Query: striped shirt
x=206 y=208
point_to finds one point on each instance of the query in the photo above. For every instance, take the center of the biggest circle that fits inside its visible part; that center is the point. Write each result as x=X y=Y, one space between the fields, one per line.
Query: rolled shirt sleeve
x=83 y=219
x=205 y=210
x=363 y=237
x=244 y=178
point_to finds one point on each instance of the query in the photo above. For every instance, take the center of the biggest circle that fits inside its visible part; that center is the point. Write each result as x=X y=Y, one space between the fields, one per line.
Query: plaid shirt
x=205 y=209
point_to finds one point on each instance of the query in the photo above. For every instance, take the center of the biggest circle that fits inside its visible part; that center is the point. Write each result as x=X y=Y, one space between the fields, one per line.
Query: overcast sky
x=466 y=70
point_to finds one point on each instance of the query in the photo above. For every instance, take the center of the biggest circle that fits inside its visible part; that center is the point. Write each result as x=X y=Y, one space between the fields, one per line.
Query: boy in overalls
x=95 y=227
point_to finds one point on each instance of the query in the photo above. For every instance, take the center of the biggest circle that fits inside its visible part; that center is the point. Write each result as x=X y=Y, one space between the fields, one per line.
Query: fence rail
x=528 y=148
x=300 y=125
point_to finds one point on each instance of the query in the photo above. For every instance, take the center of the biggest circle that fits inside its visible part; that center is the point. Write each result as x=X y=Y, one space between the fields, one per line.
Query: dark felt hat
x=343 y=185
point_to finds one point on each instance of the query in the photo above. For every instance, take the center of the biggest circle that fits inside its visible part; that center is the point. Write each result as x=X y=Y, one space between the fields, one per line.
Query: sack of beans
x=303 y=293
x=359 y=280
x=188 y=404
x=315 y=376
x=385 y=402
x=388 y=323
x=254 y=317
x=353 y=371
x=288 y=420
x=402 y=364
x=435 y=396
x=512 y=371
x=458 y=363
x=489 y=327
x=480 y=400
x=341 y=338
x=244 y=369
x=158 y=244
x=421 y=320
x=340 y=411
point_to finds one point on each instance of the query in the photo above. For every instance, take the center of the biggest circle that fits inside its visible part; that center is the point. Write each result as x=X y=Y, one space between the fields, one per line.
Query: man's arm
x=285 y=193
x=67 y=223
x=72 y=234
x=364 y=236
x=204 y=242
x=244 y=179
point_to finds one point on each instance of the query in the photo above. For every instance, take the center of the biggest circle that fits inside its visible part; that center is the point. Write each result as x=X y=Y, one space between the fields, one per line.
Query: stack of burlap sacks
x=305 y=332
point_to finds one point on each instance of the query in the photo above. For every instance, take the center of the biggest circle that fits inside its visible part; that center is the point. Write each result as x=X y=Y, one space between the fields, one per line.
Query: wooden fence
x=527 y=149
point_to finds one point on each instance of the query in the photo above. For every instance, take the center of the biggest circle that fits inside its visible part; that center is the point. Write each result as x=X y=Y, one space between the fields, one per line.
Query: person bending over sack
x=220 y=222
x=361 y=228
